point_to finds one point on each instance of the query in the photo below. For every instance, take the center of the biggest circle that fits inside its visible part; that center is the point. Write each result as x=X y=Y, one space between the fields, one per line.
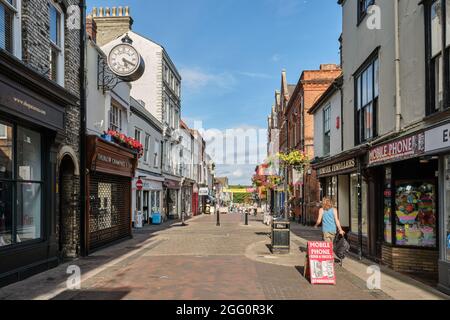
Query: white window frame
x=16 y=27
x=60 y=47
x=117 y=123
x=147 y=147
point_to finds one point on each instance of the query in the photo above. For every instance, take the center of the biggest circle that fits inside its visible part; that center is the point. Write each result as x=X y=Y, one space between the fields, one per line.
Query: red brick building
x=299 y=135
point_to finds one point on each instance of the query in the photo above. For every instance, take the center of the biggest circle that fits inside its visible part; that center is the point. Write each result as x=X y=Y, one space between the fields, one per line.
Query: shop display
x=388 y=206
x=415 y=214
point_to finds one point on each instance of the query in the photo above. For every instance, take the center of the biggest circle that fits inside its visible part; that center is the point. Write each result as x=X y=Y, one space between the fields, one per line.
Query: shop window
x=415 y=216
x=366 y=84
x=447 y=208
x=354 y=194
x=20 y=185
x=387 y=196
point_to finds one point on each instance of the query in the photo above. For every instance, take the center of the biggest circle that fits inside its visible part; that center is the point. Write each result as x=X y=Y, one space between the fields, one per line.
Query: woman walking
x=328 y=216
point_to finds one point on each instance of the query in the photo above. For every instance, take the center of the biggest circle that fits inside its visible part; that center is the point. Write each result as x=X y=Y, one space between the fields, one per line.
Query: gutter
x=82 y=134
x=398 y=99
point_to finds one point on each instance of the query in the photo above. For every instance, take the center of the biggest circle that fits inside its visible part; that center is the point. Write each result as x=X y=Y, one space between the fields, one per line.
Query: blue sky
x=230 y=53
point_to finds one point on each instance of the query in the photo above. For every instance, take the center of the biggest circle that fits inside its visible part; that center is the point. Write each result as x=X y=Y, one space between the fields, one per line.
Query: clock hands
x=126 y=62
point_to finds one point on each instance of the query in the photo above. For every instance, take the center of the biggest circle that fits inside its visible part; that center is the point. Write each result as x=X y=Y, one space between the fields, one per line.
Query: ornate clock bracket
x=106 y=80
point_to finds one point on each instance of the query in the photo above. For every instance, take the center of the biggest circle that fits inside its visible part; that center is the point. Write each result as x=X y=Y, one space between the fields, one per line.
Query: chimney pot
x=127 y=11
x=108 y=12
x=100 y=12
x=114 y=11
x=94 y=12
x=120 y=11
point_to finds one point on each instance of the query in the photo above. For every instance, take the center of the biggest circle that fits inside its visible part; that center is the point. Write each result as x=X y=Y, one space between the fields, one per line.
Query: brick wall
x=411 y=260
x=36 y=54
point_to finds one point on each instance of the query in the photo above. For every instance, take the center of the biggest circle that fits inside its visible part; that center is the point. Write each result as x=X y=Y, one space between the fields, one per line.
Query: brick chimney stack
x=91 y=28
x=111 y=23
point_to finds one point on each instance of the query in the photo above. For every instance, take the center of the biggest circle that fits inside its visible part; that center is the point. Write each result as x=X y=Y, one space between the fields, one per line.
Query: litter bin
x=156 y=218
x=281 y=236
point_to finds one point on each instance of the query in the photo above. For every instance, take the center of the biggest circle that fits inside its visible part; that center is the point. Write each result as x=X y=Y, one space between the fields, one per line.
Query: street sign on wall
x=203 y=192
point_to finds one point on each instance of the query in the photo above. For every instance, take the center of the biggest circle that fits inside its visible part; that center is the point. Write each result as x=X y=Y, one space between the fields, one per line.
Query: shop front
x=32 y=115
x=341 y=181
x=172 y=189
x=108 y=189
x=437 y=146
x=186 y=197
x=405 y=200
x=147 y=197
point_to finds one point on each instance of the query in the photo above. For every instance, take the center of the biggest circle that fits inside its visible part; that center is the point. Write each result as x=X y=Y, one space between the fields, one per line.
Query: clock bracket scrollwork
x=106 y=79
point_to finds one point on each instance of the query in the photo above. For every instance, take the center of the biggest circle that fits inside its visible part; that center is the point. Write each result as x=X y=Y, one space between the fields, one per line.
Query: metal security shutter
x=110 y=212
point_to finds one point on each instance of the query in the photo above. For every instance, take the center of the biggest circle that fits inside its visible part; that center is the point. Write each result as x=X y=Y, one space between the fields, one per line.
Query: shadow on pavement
x=101 y=295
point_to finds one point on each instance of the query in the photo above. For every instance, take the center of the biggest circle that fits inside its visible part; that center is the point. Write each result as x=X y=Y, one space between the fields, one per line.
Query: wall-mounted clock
x=125 y=61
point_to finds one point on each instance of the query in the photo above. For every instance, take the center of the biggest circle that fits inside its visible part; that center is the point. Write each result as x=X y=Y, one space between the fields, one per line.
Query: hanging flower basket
x=295 y=159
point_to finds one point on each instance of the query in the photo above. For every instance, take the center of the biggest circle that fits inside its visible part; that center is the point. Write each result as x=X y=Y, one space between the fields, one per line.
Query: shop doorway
x=68 y=222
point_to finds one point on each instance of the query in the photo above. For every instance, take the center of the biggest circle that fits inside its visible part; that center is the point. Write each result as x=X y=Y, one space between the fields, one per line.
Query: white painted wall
x=334 y=102
x=359 y=42
x=99 y=103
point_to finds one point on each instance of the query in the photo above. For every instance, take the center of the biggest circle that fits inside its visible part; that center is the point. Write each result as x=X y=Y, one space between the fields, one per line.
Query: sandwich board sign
x=319 y=268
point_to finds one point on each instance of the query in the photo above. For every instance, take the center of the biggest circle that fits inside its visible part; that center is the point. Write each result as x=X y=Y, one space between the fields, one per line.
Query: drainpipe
x=398 y=100
x=82 y=133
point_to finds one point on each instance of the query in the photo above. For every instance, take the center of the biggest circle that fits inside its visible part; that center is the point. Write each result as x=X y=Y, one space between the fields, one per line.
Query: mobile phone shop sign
x=400 y=149
x=321 y=263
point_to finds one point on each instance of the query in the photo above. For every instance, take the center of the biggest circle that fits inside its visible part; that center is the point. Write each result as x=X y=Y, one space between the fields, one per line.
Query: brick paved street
x=200 y=261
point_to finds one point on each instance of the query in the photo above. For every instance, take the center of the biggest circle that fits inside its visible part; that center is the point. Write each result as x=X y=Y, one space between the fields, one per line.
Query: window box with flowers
x=124 y=141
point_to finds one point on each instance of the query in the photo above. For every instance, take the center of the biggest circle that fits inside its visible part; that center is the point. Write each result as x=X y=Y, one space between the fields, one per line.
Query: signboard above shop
x=203 y=191
x=397 y=150
x=337 y=168
x=437 y=139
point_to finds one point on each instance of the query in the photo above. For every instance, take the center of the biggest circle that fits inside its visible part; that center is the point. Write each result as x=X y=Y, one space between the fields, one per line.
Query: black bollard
x=218 y=218
x=246 y=217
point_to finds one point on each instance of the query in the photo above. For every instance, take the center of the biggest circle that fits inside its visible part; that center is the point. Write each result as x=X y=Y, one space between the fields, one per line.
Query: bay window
x=367 y=91
x=115 y=118
x=21 y=185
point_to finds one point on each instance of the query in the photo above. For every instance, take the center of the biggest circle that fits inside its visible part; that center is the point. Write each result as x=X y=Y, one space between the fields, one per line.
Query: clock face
x=124 y=59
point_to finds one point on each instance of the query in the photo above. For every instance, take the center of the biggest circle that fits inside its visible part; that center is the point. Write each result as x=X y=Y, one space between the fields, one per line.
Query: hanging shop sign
x=437 y=138
x=320 y=263
x=203 y=192
x=400 y=149
x=337 y=168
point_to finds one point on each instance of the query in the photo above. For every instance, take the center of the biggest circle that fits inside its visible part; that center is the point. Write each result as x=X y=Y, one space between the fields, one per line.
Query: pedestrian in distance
x=329 y=218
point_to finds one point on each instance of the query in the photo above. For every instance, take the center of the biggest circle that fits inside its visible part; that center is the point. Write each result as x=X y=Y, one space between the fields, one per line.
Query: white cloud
x=195 y=79
x=255 y=75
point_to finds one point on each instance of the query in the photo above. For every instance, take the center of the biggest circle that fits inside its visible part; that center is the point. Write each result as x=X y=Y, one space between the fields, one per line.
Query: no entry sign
x=139 y=185
x=320 y=263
